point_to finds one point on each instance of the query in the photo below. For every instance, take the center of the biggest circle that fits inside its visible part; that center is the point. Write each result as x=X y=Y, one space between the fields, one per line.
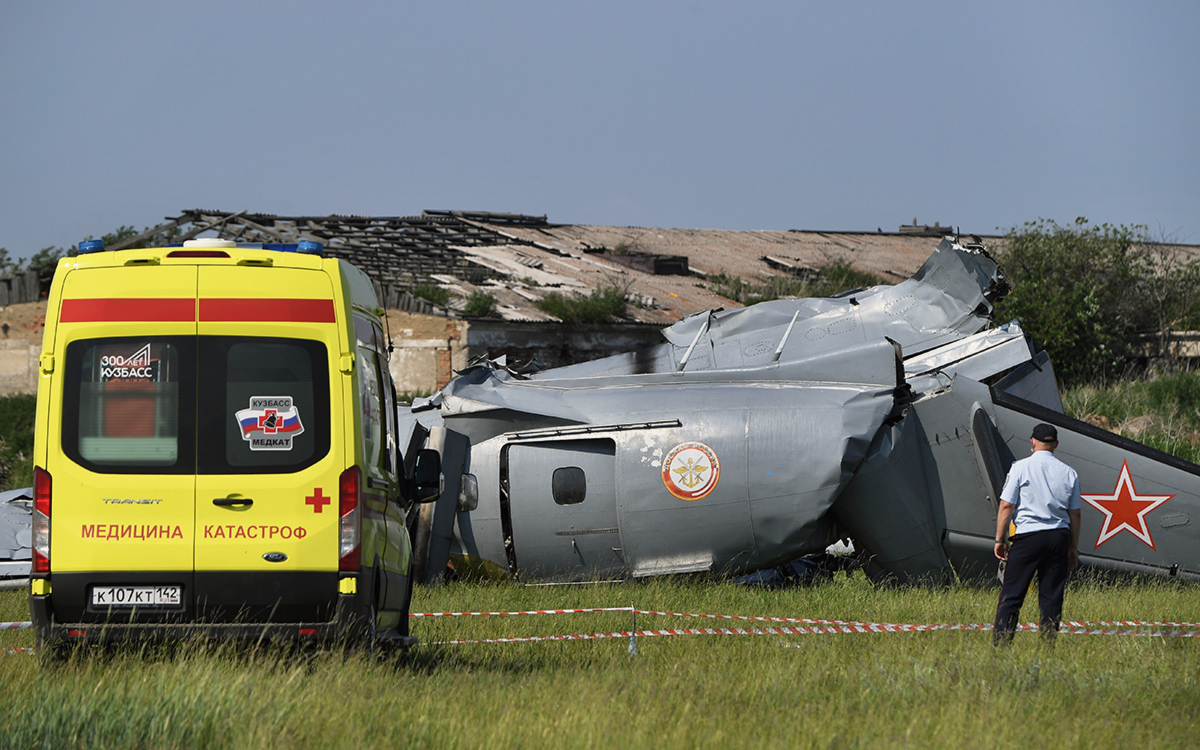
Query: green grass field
x=918 y=690
x=938 y=689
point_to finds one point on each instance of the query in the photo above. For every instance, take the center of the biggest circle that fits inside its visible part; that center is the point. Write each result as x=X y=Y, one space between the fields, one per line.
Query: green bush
x=16 y=440
x=602 y=305
x=479 y=305
x=1088 y=293
x=834 y=278
x=432 y=293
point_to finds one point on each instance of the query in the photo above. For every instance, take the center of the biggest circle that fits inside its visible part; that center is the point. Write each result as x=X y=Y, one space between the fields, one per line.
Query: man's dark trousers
x=1044 y=553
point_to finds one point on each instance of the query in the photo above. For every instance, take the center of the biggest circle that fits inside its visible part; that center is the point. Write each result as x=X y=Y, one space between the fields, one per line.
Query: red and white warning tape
x=798 y=626
x=906 y=628
x=808 y=626
x=798 y=630
x=857 y=626
x=524 y=612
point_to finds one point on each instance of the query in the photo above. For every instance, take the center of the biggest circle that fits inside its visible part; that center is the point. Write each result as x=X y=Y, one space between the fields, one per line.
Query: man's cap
x=1045 y=433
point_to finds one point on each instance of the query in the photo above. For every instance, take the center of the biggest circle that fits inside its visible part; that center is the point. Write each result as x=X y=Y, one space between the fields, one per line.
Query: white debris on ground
x=16 y=537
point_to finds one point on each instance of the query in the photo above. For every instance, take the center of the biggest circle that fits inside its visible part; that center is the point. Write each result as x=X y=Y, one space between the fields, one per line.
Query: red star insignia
x=1125 y=509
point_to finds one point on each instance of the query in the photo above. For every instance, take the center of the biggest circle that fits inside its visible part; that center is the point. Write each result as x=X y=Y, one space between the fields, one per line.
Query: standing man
x=1041 y=497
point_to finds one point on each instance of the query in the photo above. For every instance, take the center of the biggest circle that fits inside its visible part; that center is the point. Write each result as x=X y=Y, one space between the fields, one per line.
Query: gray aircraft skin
x=888 y=416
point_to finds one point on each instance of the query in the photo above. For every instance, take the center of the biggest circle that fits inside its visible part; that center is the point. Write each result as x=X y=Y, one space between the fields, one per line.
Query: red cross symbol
x=267 y=422
x=317 y=500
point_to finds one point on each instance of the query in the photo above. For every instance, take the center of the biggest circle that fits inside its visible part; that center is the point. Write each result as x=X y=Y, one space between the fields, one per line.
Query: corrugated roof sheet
x=518 y=258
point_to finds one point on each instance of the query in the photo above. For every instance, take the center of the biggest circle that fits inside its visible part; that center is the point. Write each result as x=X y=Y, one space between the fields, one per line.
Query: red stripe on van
x=145 y=309
x=267 y=310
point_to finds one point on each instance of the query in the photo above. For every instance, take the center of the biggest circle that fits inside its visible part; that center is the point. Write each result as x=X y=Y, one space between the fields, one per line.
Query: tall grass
x=1162 y=412
x=941 y=689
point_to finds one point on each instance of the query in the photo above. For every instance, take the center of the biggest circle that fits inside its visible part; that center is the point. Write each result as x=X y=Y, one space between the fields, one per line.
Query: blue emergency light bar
x=308 y=247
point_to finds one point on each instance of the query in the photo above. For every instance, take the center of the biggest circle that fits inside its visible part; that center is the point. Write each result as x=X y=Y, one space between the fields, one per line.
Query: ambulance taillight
x=350 y=535
x=41 y=521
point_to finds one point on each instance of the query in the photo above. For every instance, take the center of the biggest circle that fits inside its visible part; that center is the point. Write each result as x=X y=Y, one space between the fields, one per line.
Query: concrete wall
x=19 y=365
x=21 y=328
x=428 y=349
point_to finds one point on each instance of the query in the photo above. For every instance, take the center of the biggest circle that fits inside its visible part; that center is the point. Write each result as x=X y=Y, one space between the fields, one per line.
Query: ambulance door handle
x=231 y=501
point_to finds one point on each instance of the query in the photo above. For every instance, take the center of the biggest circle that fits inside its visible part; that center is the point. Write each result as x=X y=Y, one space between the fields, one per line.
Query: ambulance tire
x=51 y=652
x=402 y=628
x=368 y=613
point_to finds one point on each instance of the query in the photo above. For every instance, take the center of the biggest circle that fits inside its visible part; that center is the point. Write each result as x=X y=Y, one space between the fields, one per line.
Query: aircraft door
x=563 y=509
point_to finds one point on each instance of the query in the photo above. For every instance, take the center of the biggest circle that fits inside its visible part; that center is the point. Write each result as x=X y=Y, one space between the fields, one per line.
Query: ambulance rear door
x=121 y=443
x=269 y=394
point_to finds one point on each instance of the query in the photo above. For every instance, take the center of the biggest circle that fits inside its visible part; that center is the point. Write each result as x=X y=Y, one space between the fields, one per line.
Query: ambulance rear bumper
x=249 y=607
x=345 y=625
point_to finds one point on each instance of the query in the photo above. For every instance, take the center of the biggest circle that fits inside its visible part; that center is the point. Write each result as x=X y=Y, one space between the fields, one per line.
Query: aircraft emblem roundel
x=691 y=470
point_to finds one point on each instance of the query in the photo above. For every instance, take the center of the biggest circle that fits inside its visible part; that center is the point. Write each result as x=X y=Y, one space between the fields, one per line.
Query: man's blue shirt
x=1043 y=489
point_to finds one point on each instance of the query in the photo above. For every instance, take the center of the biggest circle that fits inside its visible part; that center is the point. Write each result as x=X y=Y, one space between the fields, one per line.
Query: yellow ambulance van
x=216 y=450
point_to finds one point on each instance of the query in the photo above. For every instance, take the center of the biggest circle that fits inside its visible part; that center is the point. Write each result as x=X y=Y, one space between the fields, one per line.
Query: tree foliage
x=44 y=261
x=1089 y=294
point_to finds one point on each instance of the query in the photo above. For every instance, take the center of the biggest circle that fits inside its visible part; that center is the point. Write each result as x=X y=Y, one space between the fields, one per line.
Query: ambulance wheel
x=373 y=609
x=52 y=652
x=403 y=627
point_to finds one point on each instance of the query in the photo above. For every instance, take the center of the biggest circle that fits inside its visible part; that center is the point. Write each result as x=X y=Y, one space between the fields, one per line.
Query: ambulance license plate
x=135 y=596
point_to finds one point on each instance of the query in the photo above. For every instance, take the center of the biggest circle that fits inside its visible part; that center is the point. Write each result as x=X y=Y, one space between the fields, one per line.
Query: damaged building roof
x=519 y=259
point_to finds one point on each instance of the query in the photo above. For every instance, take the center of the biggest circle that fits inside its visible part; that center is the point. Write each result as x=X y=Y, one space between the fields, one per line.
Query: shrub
x=1086 y=293
x=837 y=277
x=602 y=305
x=479 y=305
x=16 y=440
x=432 y=293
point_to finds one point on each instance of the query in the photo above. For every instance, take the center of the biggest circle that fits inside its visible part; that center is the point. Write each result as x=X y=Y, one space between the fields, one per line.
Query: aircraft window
x=569 y=485
x=468 y=494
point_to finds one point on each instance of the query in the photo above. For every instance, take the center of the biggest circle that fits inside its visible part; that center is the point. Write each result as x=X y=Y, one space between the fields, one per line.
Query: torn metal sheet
x=887 y=416
x=951 y=296
x=980 y=356
x=16 y=536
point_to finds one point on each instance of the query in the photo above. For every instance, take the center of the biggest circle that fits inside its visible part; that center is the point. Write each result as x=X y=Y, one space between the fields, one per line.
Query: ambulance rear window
x=126 y=406
x=187 y=404
x=264 y=404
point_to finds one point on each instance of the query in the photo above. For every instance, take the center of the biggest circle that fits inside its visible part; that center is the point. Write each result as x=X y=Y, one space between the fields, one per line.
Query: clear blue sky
x=755 y=115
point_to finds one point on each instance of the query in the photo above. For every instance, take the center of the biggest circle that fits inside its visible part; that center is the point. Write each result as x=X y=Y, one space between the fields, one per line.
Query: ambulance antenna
x=387 y=325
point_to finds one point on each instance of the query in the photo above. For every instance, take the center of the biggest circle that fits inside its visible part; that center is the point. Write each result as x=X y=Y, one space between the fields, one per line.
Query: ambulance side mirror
x=427 y=476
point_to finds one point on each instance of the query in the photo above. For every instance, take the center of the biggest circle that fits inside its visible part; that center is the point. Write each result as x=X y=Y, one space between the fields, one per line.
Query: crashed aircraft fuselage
x=750 y=437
